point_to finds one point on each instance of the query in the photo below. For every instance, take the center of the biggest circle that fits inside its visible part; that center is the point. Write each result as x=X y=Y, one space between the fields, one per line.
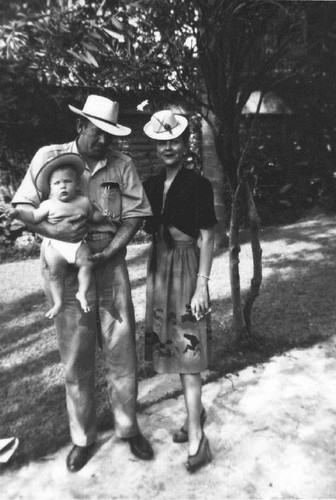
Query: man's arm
x=71 y=229
x=120 y=240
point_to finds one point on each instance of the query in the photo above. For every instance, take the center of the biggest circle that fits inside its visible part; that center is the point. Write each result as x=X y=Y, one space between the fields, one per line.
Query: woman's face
x=171 y=152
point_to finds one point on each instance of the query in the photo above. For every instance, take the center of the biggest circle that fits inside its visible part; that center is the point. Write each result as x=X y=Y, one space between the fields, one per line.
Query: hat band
x=166 y=126
x=100 y=119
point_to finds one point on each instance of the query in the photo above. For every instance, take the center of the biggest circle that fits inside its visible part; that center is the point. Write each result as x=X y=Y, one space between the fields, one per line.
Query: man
x=112 y=183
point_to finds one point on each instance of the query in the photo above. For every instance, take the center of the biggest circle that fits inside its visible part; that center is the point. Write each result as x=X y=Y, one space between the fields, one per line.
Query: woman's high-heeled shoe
x=202 y=457
x=181 y=436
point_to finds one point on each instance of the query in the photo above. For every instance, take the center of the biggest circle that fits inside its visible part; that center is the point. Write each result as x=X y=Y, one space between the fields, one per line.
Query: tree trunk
x=225 y=150
x=242 y=199
x=234 y=250
x=254 y=221
x=213 y=170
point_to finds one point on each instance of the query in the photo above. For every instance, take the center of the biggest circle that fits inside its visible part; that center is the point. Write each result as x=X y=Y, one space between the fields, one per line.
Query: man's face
x=93 y=142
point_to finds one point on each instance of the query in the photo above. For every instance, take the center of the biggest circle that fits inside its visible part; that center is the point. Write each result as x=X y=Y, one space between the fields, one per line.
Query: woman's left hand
x=200 y=302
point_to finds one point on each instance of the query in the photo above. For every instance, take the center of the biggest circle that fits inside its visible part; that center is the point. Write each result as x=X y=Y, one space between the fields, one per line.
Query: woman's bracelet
x=203 y=276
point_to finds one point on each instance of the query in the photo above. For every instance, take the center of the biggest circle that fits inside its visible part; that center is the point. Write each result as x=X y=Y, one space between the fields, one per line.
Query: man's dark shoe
x=140 y=447
x=78 y=457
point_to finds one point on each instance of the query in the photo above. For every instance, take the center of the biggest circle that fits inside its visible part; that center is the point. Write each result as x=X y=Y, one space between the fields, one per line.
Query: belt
x=100 y=236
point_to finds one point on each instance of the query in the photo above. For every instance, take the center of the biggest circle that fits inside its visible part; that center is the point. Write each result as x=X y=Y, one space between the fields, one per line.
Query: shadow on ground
x=296 y=308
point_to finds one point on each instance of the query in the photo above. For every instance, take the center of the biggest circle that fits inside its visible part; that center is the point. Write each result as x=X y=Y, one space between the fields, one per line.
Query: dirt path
x=271 y=423
x=272 y=432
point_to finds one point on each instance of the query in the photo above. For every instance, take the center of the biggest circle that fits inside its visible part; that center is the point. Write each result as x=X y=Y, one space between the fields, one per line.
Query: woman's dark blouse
x=189 y=204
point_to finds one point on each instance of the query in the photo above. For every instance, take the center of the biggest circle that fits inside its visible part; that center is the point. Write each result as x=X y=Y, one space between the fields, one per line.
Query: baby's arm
x=28 y=215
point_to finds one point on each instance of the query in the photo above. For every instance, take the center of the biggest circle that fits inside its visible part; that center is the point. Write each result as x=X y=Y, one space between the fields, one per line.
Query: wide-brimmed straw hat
x=103 y=113
x=165 y=125
x=42 y=177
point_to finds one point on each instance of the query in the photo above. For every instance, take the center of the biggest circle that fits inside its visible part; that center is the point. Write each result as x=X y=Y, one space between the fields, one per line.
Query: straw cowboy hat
x=165 y=125
x=103 y=113
x=42 y=177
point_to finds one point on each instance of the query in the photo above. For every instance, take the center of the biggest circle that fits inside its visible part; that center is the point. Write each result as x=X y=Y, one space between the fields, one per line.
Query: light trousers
x=112 y=319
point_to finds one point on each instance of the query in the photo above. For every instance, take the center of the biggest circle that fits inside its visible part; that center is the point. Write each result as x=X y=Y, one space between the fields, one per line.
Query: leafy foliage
x=213 y=53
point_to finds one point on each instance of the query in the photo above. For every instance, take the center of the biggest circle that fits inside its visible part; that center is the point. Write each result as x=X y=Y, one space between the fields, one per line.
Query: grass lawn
x=296 y=308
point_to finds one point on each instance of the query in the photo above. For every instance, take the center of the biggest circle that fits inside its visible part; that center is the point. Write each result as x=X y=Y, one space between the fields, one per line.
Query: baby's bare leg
x=85 y=267
x=57 y=270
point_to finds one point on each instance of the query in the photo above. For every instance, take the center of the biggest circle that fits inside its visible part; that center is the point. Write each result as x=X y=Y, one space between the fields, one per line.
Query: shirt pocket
x=111 y=202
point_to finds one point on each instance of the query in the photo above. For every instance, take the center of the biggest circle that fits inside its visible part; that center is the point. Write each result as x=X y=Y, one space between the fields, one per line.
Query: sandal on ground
x=201 y=458
x=181 y=436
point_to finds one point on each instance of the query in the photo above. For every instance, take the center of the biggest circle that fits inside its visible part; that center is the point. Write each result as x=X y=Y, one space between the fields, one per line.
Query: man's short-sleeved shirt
x=114 y=185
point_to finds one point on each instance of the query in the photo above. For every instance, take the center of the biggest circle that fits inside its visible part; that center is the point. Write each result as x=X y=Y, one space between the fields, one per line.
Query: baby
x=61 y=175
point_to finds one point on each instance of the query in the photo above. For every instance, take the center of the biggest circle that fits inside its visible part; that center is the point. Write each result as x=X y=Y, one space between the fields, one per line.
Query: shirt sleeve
x=27 y=192
x=206 y=216
x=134 y=200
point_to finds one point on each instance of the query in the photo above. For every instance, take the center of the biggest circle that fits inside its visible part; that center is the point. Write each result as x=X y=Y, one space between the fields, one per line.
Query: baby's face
x=63 y=184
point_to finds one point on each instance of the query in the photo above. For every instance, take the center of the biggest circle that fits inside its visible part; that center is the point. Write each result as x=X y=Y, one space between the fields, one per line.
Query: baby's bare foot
x=83 y=302
x=53 y=311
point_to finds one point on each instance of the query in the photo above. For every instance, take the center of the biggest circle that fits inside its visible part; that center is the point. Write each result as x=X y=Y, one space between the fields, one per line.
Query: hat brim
x=175 y=132
x=42 y=177
x=109 y=128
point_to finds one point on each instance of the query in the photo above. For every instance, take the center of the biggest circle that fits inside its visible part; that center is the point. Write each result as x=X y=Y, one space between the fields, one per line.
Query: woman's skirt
x=174 y=340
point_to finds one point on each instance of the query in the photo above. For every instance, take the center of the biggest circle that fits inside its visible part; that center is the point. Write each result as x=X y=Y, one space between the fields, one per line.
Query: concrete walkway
x=272 y=430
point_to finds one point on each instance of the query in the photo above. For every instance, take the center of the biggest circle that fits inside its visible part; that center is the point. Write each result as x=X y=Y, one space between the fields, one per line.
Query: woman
x=179 y=270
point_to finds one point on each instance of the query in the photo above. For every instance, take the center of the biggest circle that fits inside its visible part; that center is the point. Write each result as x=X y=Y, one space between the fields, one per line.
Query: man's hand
x=103 y=256
x=122 y=237
x=71 y=229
